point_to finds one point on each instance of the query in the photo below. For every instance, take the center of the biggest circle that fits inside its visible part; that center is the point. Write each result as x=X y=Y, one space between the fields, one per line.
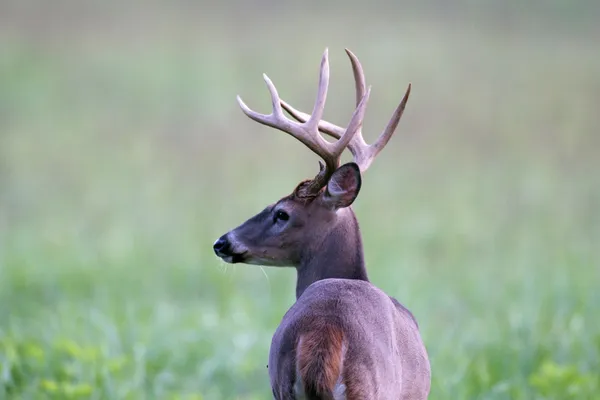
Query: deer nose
x=221 y=245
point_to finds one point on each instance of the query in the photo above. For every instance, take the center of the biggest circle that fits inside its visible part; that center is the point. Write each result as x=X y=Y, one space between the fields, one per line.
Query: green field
x=123 y=156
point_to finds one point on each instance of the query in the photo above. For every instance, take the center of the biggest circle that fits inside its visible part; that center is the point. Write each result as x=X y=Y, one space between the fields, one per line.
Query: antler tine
x=363 y=154
x=389 y=130
x=359 y=76
x=276 y=114
x=354 y=128
x=319 y=107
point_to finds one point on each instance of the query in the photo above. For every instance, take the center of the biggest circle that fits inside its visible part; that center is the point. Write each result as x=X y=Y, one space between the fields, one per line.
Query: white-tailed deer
x=343 y=338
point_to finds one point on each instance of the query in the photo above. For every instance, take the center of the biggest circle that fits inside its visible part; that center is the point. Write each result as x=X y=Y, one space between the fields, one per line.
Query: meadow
x=123 y=156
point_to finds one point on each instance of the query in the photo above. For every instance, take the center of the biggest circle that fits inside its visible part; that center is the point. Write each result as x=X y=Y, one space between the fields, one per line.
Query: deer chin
x=244 y=258
x=235 y=258
x=260 y=261
x=266 y=261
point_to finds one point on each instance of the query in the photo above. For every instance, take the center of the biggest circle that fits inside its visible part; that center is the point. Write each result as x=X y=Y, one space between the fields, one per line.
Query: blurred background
x=124 y=155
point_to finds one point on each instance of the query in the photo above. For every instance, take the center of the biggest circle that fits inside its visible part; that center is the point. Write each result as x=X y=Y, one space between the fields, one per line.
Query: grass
x=123 y=156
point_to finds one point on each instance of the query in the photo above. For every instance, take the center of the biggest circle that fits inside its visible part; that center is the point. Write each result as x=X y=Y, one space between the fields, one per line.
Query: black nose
x=221 y=246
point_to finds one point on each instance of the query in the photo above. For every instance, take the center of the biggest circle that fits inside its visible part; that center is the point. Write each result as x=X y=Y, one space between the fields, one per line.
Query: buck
x=343 y=338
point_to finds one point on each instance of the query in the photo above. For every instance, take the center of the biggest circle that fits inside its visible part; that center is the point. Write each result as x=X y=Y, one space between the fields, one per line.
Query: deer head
x=315 y=221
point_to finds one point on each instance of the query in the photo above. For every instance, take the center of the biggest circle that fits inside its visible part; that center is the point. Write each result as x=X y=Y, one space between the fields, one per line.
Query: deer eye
x=281 y=216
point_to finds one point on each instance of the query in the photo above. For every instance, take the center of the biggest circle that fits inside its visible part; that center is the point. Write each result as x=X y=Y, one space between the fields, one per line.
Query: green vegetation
x=123 y=156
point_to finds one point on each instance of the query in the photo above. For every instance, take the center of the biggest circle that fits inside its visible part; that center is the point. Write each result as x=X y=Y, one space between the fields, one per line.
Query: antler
x=363 y=154
x=307 y=129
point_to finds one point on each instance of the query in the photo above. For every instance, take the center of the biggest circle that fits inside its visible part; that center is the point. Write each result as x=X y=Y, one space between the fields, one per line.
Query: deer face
x=284 y=232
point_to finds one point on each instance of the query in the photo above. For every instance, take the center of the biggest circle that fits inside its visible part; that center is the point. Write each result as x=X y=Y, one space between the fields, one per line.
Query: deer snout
x=229 y=249
x=222 y=246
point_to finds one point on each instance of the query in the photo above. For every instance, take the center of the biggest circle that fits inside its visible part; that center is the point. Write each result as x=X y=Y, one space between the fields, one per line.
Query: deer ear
x=343 y=186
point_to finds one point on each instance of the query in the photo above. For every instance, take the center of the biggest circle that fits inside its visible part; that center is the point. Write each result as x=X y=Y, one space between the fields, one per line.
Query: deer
x=343 y=338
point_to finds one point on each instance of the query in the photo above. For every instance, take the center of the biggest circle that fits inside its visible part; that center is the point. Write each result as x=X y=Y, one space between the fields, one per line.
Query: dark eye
x=281 y=216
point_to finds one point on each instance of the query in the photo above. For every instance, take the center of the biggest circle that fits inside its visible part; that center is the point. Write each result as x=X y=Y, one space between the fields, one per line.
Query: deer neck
x=338 y=255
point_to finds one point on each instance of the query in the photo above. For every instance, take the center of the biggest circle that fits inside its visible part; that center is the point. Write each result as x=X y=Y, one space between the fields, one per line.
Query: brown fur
x=304 y=192
x=319 y=356
x=355 y=387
